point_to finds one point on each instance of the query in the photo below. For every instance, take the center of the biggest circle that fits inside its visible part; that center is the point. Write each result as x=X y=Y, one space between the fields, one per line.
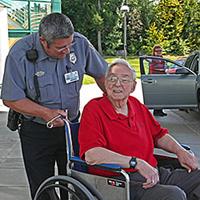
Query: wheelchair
x=77 y=184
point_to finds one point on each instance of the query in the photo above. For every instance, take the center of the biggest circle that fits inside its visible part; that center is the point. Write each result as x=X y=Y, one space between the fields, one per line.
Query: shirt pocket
x=47 y=88
x=31 y=92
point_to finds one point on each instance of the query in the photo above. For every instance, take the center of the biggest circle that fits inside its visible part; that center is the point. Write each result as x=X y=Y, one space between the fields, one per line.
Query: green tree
x=139 y=19
x=134 y=33
x=154 y=36
x=92 y=18
x=175 y=24
x=84 y=16
x=191 y=29
x=169 y=23
x=112 y=27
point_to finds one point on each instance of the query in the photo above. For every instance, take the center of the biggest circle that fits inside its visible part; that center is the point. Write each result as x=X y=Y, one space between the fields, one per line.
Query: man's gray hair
x=121 y=61
x=55 y=26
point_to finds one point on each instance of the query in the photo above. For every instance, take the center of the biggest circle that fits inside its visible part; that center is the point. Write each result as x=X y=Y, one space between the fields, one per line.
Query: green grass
x=133 y=60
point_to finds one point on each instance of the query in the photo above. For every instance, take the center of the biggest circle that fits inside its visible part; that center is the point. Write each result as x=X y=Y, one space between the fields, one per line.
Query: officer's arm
x=100 y=82
x=28 y=107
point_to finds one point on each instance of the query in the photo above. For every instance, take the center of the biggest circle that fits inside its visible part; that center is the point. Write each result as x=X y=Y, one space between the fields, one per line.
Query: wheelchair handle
x=49 y=124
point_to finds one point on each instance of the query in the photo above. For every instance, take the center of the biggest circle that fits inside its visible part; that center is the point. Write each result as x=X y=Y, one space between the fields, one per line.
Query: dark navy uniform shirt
x=55 y=93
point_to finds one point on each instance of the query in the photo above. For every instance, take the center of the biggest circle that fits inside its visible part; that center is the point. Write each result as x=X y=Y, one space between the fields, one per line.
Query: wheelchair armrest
x=110 y=167
x=77 y=159
x=167 y=162
x=170 y=161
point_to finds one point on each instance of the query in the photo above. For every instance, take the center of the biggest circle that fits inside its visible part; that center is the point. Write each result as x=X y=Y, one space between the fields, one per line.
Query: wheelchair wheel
x=63 y=188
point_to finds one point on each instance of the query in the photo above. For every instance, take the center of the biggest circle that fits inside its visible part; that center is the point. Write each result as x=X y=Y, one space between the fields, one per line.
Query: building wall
x=4 y=46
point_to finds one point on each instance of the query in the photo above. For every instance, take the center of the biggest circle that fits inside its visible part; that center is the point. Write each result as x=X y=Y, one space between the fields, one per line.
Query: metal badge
x=72 y=58
x=39 y=73
x=71 y=77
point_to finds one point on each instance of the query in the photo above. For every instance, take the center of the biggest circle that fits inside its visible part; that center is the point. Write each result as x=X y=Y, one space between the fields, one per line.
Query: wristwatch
x=133 y=162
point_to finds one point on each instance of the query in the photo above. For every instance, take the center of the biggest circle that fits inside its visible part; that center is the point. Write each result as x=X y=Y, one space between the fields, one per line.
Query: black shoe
x=159 y=113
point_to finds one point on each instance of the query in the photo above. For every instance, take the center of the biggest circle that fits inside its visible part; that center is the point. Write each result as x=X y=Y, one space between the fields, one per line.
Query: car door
x=174 y=86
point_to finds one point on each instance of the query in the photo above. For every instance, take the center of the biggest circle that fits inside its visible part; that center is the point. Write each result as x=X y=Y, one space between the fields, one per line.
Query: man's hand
x=187 y=160
x=53 y=113
x=28 y=107
x=148 y=172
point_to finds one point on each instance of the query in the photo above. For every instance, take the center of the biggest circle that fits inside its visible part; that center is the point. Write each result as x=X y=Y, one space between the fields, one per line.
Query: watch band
x=133 y=162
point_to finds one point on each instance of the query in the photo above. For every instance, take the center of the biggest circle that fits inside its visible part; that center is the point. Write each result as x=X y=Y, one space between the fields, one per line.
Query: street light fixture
x=125 y=10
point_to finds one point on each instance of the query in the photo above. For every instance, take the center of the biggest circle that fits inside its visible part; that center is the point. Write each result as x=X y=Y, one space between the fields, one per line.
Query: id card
x=71 y=77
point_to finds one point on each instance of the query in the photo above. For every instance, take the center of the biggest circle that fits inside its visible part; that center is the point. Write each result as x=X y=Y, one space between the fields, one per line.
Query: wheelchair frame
x=83 y=182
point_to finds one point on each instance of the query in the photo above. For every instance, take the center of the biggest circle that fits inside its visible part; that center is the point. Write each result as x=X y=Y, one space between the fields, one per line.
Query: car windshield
x=181 y=60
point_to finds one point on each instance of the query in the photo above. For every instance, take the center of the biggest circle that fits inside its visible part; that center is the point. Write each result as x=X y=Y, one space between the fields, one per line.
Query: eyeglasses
x=158 y=50
x=64 y=48
x=123 y=80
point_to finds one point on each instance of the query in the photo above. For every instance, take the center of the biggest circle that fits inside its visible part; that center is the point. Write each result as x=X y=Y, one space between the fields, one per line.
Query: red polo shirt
x=132 y=135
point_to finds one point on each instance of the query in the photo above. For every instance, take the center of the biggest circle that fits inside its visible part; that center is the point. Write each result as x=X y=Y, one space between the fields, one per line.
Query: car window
x=195 y=65
x=188 y=62
x=160 y=66
x=154 y=66
x=181 y=61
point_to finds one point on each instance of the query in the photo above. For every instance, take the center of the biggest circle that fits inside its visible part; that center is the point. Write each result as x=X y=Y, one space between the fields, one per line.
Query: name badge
x=71 y=77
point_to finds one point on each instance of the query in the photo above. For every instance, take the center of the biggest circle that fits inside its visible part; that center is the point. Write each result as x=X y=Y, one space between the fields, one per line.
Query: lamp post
x=125 y=10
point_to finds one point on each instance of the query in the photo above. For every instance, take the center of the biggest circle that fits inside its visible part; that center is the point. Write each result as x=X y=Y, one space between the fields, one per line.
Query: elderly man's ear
x=133 y=86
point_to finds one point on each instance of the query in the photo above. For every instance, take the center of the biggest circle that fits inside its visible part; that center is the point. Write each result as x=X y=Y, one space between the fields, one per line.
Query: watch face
x=133 y=162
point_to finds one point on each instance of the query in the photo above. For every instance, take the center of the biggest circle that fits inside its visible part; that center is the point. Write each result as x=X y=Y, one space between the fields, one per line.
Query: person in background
x=157 y=67
x=118 y=129
x=42 y=80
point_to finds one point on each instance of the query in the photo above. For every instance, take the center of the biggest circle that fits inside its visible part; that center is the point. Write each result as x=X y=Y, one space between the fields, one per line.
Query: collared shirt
x=55 y=93
x=132 y=135
x=157 y=67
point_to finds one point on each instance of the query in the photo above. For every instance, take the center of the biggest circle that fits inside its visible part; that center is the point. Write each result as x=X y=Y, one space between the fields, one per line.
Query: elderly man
x=118 y=129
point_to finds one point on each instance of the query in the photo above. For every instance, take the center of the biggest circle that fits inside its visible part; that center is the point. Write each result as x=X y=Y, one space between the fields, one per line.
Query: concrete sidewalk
x=13 y=183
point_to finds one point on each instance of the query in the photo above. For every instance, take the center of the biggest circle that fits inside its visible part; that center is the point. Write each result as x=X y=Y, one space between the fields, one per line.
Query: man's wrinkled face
x=119 y=82
x=59 y=48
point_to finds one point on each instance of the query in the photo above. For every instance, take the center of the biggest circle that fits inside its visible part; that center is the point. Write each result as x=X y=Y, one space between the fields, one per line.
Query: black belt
x=44 y=124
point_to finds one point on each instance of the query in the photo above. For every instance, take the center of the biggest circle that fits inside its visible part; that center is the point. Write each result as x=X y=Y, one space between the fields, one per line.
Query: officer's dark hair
x=55 y=26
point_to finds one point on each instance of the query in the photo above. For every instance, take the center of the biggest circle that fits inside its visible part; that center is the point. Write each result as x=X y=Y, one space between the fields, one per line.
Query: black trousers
x=41 y=148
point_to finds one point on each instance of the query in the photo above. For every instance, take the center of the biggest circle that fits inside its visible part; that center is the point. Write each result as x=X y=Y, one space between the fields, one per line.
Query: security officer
x=42 y=79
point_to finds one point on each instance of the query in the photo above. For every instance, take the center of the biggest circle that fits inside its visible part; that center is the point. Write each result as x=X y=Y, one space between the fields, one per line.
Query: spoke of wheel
x=64 y=180
x=52 y=186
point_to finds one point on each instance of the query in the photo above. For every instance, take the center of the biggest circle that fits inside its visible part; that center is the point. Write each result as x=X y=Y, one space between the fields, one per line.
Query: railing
x=35 y=20
x=28 y=20
x=19 y=16
x=6 y=3
x=25 y=15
